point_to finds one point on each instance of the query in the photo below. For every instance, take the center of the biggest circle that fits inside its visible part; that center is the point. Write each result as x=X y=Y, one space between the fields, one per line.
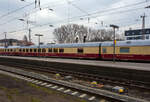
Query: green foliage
x=33 y=99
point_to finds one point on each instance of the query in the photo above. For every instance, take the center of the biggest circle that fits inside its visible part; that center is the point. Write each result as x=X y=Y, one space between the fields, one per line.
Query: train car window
x=124 y=50
x=39 y=50
x=19 y=50
x=55 y=50
x=104 y=50
x=11 y=50
x=27 y=50
x=23 y=50
x=35 y=50
x=50 y=50
x=30 y=50
x=80 y=50
x=7 y=50
x=61 y=50
x=43 y=50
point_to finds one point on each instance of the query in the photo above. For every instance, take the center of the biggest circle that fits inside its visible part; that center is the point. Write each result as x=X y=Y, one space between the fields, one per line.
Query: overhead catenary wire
x=31 y=11
x=99 y=12
x=63 y=21
x=18 y=9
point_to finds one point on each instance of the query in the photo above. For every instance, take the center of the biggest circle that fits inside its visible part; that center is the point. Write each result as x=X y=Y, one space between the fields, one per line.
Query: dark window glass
x=35 y=50
x=80 y=50
x=43 y=50
x=50 y=50
x=124 y=50
x=23 y=50
x=11 y=50
x=19 y=50
x=30 y=50
x=61 y=50
x=7 y=50
x=104 y=50
x=147 y=37
x=55 y=50
x=27 y=50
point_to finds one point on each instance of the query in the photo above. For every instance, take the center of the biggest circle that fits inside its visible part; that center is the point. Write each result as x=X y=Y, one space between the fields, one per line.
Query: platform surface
x=124 y=65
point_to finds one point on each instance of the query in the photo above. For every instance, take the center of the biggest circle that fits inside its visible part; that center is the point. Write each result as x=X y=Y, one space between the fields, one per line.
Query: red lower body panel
x=94 y=56
x=126 y=57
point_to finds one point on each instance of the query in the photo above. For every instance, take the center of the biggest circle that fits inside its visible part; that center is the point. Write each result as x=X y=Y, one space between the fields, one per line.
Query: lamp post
x=147 y=7
x=28 y=28
x=114 y=40
x=38 y=35
x=5 y=38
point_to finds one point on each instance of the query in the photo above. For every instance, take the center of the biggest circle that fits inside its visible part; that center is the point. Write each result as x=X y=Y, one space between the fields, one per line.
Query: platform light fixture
x=114 y=40
x=38 y=35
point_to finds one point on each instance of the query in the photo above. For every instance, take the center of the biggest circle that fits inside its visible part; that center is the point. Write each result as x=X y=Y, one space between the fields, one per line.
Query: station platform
x=109 y=64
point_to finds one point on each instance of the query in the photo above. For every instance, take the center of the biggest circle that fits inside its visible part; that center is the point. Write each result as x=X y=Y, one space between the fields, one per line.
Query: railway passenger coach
x=127 y=50
x=83 y=50
x=124 y=50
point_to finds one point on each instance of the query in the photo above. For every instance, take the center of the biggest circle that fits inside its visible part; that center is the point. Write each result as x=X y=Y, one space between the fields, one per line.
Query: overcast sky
x=124 y=13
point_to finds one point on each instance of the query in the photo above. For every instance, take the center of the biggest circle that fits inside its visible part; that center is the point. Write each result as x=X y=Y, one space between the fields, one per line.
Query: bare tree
x=68 y=34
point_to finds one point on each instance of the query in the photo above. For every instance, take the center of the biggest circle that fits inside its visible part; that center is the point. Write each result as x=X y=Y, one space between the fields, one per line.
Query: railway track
x=69 y=88
x=84 y=76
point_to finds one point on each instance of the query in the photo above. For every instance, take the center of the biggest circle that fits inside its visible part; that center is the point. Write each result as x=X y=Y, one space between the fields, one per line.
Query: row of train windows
x=42 y=50
x=55 y=50
x=35 y=50
x=122 y=50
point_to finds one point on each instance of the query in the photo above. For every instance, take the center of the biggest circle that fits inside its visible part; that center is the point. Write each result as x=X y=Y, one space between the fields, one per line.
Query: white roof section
x=1 y=47
x=93 y=44
x=10 y=47
x=90 y=44
x=61 y=45
x=128 y=43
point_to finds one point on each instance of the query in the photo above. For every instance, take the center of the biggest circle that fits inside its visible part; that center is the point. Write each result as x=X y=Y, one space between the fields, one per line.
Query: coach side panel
x=127 y=53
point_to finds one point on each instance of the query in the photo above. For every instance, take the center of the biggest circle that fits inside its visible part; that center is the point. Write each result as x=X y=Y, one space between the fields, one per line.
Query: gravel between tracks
x=15 y=90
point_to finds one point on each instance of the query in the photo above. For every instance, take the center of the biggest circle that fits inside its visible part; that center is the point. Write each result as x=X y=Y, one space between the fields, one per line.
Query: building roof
x=8 y=40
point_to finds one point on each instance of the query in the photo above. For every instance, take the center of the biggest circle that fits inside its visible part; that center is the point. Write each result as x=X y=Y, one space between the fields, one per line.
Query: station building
x=137 y=34
x=14 y=42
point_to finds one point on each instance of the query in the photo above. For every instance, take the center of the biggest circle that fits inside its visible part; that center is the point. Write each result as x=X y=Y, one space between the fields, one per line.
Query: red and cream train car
x=124 y=50
x=127 y=50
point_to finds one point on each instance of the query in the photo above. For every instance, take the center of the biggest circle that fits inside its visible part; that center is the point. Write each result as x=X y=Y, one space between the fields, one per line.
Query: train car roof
x=1 y=47
x=128 y=43
x=93 y=44
x=66 y=45
x=9 y=47
x=90 y=44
